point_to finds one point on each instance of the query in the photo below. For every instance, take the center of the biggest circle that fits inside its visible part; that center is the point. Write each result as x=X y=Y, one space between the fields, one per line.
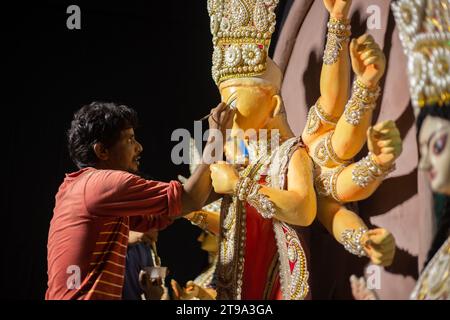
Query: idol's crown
x=425 y=35
x=241 y=30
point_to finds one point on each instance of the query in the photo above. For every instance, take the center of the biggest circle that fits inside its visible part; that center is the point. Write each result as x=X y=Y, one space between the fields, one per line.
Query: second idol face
x=435 y=152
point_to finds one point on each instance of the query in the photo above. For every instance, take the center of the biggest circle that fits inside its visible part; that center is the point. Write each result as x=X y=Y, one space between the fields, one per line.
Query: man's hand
x=338 y=8
x=221 y=118
x=379 y=244
x=368 y=61
x=150 y=236
x=224 y=178
x=385 y=143
x=134 y=237
x=153 y=288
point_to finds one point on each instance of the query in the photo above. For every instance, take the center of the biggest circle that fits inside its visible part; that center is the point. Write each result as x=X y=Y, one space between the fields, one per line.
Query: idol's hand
x=194 y=291
x=191 y=292
x=338 y=8
x=385 y=143
x=379 y=244
x=368 y=60
x=224 y=178
x=360 y=290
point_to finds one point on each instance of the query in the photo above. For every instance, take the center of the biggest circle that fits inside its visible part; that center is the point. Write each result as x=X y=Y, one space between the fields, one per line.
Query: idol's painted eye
x=439 y=144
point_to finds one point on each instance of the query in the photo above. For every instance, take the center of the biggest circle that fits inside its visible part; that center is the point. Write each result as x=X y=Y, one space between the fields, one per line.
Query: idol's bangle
x=316 y=115
x=351 y=239
x=337 y=36
x=363 y=99
x=324 y=152
x=367 y=171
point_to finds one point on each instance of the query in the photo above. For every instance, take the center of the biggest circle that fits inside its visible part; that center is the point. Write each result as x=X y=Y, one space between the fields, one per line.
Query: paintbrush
x=231 y=103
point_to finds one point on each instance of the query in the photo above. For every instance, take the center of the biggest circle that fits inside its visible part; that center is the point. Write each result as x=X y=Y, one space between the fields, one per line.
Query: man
x=98 y=205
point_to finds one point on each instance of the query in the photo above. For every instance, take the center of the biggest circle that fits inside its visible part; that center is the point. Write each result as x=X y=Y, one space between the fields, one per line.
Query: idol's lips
x=432 y=174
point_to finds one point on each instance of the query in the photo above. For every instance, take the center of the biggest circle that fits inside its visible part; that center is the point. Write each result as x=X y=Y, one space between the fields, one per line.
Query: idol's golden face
x=254 y=103
x=435 y=152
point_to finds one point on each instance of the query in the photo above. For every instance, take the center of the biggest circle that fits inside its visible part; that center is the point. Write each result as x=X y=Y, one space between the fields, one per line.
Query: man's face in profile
x=125 y=154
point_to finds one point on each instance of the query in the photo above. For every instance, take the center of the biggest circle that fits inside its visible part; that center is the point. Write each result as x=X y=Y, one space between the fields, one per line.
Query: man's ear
x=277 y=105
x=100 y=151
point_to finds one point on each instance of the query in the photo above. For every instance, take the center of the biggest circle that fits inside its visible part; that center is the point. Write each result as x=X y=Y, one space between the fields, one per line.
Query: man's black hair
x=97 y=122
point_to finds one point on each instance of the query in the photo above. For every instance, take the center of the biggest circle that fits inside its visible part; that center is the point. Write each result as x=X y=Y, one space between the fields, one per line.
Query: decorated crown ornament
x=241 y=30
x=424 y=28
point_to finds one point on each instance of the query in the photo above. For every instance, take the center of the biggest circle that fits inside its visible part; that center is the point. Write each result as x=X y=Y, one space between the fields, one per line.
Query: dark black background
x=154 y=56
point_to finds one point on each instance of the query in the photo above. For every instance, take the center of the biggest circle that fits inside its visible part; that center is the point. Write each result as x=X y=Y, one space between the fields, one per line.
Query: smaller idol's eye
x=439 y=144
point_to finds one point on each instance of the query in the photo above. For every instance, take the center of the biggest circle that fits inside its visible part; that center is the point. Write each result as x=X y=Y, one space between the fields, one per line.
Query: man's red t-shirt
x=88 y=236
